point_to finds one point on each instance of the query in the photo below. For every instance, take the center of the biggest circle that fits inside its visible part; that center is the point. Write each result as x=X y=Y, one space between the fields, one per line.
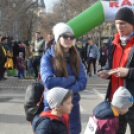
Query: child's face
x=66 y=107
x=21 y=56
x=123 y=111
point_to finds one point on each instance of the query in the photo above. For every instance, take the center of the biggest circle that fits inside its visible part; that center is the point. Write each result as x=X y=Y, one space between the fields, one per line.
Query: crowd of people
x=25 y=55
x=32 y=53
x=60 y=61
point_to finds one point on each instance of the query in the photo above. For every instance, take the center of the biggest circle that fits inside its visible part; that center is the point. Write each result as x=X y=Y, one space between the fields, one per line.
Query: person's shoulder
x=103 y=110
x=95 y=46
x=48 y=54
x=42 y=123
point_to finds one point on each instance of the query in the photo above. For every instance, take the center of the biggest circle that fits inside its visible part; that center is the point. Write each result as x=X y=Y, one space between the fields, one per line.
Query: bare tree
x=17 y=17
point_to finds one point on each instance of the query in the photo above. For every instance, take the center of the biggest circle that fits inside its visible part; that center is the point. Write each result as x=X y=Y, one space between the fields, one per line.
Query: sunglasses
x=65 y=36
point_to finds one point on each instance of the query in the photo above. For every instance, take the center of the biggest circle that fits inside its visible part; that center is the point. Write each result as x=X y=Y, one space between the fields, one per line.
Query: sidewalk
x=12 y=114
x=15 y=83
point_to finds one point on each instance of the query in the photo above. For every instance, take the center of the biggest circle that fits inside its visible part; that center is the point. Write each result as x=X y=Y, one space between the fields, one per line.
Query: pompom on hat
x=61 y=28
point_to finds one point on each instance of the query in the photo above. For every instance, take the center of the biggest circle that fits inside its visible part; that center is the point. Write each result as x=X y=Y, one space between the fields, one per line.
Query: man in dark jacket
x=4 y=43
x=2 y=62
x=10 y=43
x=120 y=64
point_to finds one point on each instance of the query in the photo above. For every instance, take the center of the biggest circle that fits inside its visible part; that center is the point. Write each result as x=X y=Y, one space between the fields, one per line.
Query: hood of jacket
x=48 y=114
x=104 y=110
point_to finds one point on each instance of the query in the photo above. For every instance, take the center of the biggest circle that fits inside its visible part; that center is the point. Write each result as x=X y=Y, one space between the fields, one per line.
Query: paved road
x=12 y=116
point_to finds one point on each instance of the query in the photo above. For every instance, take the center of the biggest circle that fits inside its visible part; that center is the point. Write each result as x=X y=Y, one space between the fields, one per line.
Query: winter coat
x=28 y=53
x=84 y=53
x=9 y=63
x=46 y=123
x=22 y=49
x=15 y=54
x=106 y=118
x=103 y=56
x=39 y=47
x=129 y=79
x=96 y=53
x=70 y=83
x=48 y=44
x=2 y=52
x=10 y=46
x=20 y=64
x=79 y=50
x=5 y=46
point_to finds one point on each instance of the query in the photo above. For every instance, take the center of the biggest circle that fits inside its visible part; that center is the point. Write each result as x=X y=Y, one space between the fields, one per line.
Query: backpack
x=33 y=103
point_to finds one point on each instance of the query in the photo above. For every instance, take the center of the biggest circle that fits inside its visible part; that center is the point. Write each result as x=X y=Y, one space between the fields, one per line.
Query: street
x=12 y=115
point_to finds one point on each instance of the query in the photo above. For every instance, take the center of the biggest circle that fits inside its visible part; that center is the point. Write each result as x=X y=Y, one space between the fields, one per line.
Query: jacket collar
x=117 y=39
x=65 y=116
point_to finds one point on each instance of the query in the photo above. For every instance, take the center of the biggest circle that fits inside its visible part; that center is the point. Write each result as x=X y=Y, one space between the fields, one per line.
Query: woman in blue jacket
x=61 y=66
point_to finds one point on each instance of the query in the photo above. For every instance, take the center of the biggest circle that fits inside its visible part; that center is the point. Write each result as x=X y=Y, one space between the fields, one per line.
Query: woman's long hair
x=60 y=61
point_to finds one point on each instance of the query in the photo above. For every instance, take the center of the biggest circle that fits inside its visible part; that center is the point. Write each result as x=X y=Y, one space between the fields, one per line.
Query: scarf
x=67 y=55
x=124 y=40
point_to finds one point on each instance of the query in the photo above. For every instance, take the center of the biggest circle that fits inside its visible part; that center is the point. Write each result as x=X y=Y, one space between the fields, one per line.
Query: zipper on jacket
x=119 y=63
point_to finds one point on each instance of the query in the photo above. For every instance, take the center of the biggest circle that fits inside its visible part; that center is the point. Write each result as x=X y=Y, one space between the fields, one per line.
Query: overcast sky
x=49 y=4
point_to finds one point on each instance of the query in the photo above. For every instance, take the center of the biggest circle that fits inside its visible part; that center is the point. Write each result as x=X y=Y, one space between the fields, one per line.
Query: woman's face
x=66 y=40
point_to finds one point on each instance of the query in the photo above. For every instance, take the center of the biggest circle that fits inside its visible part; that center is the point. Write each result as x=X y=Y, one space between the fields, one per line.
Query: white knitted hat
x=61 y=28
x=55 y=96
x=122 y=98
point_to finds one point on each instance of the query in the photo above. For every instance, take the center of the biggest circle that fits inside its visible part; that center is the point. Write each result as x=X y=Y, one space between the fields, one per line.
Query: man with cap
x=120 y=67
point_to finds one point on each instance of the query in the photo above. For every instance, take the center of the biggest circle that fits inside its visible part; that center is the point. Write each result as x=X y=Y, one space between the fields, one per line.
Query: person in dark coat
x=50 y=42
x=16 y=50
x=84 y=55
x=103 y=56
x=57 y=120
x=21 y=48
x=61 y=66
x=10 y=42
x=79 y=47
x=120 y=66
x=4 y=43
x=2 y=61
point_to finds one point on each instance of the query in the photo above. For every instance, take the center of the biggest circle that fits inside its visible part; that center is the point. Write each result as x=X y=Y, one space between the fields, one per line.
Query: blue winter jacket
x=70 y=83
x=96 y=53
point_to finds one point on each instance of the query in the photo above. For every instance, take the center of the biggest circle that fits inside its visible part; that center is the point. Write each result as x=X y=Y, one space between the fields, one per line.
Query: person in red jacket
x=120 y=64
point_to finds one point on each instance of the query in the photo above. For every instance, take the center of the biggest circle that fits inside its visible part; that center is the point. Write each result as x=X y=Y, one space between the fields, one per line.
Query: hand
x=103 y=74
x=54 y=75
x=121 y=72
